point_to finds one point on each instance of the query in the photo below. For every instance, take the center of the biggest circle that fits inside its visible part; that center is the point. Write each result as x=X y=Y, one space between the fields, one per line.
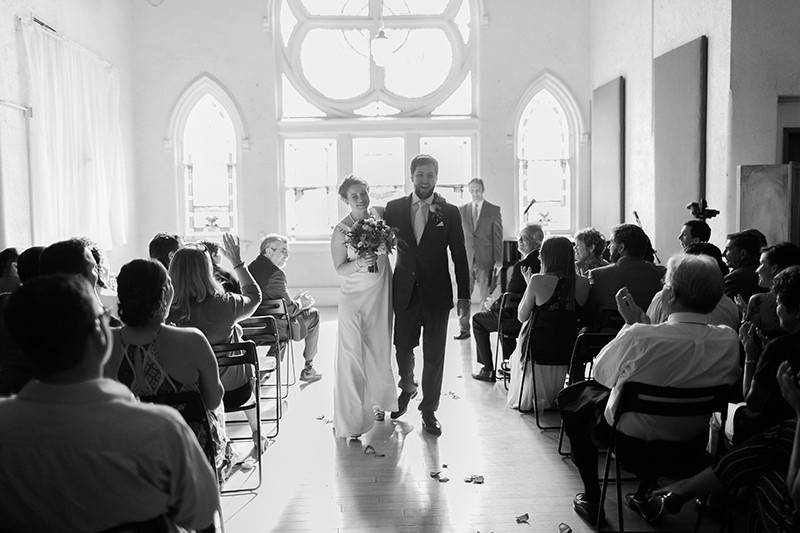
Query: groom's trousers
x=408 y=324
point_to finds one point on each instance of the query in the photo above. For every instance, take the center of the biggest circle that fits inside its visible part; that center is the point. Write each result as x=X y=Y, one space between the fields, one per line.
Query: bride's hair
x=348 y=182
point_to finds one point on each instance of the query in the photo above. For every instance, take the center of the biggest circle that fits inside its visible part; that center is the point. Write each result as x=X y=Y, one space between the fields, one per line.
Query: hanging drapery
x=77 y=162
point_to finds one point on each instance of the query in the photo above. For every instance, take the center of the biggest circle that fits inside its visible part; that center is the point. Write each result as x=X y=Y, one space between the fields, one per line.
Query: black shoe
x=402 y=404
x=587 y=509
x=430 y=424
x=651 y=509
x=461 y=336
x=485 y=375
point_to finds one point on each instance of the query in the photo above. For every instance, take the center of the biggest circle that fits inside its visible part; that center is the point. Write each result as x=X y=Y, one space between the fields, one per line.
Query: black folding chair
x=509 y=301
x=237 y=354
x=263 y=331
x=662 y=401
x=278 y=309
x=587 y=346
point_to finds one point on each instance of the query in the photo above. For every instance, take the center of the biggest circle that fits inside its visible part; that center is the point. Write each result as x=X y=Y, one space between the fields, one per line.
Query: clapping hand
x=305 y=299
x=748 y=335
x=527 y=273
x=231 y=248
x=790 y=388
x=627 y=307
x=741 y=304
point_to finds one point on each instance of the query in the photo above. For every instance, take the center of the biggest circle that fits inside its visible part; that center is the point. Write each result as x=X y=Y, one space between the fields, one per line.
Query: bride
x=364 y=383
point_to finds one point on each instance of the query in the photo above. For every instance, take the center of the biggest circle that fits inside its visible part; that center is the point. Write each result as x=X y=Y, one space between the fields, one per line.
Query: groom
x=422 y=292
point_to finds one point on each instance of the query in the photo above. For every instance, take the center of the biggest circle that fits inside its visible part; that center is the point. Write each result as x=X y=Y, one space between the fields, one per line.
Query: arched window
x=364 y=86
x=547 y=129
x=207 y=130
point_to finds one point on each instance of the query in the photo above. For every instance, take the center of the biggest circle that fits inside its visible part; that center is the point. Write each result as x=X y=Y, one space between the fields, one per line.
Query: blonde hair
x=192 y=276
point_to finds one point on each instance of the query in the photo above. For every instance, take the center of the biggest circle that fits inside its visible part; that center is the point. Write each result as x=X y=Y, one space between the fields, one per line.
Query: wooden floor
x=315 y=482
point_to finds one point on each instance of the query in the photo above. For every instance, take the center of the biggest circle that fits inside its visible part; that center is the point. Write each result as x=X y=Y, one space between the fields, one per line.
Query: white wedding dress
x=363 y=377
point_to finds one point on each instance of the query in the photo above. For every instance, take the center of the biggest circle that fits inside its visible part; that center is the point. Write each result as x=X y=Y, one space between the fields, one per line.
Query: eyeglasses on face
x=283 y=250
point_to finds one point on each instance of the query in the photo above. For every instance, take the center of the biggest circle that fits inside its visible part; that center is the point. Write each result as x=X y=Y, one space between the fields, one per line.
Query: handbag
x=583 y=395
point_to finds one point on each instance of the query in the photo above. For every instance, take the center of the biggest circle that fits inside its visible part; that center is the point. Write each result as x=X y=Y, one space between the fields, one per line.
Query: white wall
x=625 y=37
x=181 y=39
x=765 y=65
x=102 y=26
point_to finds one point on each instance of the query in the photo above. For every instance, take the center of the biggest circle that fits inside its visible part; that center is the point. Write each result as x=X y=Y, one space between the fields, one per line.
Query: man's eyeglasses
x=283 y=250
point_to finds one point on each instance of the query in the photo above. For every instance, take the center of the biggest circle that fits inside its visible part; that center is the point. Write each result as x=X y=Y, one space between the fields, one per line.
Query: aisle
x=314 y=482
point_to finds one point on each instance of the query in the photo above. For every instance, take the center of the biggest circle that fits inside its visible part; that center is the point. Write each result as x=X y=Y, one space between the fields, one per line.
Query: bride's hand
x=368 y=259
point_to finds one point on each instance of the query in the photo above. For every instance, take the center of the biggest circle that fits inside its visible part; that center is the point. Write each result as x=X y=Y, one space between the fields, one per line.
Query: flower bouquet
x=369 y=235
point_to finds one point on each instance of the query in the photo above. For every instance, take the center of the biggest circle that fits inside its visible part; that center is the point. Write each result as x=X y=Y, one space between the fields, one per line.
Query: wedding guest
x=163 y=246
x=268 y=272
x=549 y=309
x=225 y=277
x=483 y=239
x=200 y=302
x=107 y=296
x=629 y=246
x=694 y=231
x=153 y=358
x=484 y=322
x=28 y=263
x=589 y=247
x=71 y=432
x=764 y=406
x=685 y=351
x=742 y=253
x=9 y=279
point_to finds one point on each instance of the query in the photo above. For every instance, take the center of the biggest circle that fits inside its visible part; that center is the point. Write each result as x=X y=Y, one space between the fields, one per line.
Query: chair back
x=261 y=329
x=236 y=353
x=587 y=346
x=193 y=410
x=278 y=309
x=508 y=304
x=642 y=398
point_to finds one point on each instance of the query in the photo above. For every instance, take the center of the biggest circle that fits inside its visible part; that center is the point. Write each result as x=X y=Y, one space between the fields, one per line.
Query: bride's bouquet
x=369 y=235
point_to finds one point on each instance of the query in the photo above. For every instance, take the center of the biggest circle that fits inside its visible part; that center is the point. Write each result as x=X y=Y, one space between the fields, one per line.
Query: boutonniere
x=435 y=209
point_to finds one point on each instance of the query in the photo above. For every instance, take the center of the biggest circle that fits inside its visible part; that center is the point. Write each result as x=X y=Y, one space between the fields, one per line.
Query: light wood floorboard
x=314 y=482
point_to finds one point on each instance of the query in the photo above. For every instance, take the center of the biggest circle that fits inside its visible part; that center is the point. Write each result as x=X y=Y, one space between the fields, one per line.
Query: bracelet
x=239 y=264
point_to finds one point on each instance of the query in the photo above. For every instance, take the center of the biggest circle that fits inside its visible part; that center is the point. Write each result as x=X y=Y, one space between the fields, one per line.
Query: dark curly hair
x=782 y=255
x=593 y=239
x=140 y=288
x=786 y=287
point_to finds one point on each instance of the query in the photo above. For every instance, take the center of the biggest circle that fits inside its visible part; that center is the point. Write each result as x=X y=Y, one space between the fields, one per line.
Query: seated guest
x=163 y=246
x=760 y=315
x=200 y=302
x=225 y=277
x=108 y=298
x=789 y=379
x=77 y=451
x=629 y=245
x=268 y=272
x=9 y=280
x=153 y=358
x=549 y=311
x=694 y=231
x=484 y=322
x=685 y=351
x=724 y=314
x=742 y=253
x=72 y=256
x=764 y=406
x=16 y=369
x=589 y=247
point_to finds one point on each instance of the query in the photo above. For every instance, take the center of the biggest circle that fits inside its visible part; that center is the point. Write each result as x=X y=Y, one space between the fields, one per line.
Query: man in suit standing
x=422 y=292
x=742 y=251
x=629 y=245
x=529 y=240
x=483 y=239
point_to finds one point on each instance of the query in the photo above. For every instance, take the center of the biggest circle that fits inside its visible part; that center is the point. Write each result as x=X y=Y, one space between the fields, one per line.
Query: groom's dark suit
x=422 y=291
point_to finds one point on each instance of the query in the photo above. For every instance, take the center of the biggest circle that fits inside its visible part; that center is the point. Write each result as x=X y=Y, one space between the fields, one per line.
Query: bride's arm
x=343 y=266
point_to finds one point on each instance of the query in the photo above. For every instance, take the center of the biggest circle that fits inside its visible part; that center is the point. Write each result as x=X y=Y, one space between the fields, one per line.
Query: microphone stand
x=528 y=208
x=639 y=223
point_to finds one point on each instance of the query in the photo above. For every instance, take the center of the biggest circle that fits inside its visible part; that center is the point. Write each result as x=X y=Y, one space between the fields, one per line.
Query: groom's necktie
x=420 y=219
x=474 y=215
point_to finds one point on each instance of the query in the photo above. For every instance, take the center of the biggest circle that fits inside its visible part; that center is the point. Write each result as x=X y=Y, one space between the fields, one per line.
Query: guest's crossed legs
x=433 y=325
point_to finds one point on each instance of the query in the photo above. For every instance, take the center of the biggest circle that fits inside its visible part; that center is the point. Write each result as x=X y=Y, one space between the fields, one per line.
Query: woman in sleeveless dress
x=152 y=358
x=364 y=382
x=548 y=313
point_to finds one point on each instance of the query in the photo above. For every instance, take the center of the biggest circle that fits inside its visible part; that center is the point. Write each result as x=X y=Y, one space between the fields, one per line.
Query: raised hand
x=627 y=307
x=231 y=248
x=527 y=273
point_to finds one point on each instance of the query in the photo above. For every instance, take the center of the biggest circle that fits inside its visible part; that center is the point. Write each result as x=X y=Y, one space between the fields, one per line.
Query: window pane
x=379 y=160
x=294 y=105
x=548 y=182
x=288 y=21
x=454 y=155
x=332 y=65
x=336 y=7
x=457 y=195
x=420 y=65
x=460 y=102
x=543 y=131
x=310 y=211
x=463 y=19
x=310 y=162
x=209 y=159
x=376 y=109
x=416 y=7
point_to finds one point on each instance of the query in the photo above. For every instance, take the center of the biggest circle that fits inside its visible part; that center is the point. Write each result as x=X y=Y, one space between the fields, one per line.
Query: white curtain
x=77 y=162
